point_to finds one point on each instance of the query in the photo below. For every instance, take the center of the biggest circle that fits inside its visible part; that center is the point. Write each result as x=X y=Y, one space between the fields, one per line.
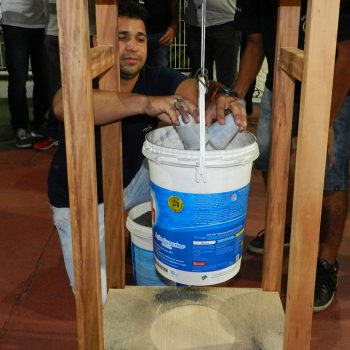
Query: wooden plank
x=320 y=45
x=106 y=18
x=79 y=132
x=282 y=115
x=291 y=60
x=170 y=318
x=102 y=58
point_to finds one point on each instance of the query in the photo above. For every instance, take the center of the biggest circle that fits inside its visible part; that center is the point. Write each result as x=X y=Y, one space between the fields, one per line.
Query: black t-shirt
x=153 y=81
x=159 y=15
x=260 y=16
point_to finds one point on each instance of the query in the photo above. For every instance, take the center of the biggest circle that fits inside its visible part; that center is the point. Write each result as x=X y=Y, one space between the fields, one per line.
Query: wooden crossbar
x=291 y=60
x=102 y=58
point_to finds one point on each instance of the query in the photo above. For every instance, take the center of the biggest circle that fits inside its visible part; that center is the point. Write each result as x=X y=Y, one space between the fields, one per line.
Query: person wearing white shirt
x=23 y=23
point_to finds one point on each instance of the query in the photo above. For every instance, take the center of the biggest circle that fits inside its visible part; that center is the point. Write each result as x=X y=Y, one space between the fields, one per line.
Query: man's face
x=132 y=46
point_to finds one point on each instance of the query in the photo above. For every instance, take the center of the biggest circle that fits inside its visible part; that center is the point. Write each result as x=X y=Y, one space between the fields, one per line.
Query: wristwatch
x=226 y=91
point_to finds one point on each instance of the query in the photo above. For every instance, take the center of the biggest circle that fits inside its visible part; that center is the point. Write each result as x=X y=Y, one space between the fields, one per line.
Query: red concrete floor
x=37 y=308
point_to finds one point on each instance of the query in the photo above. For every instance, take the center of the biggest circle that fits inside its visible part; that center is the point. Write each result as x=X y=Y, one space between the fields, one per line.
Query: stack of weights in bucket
x=198 y=222
x=218 y=135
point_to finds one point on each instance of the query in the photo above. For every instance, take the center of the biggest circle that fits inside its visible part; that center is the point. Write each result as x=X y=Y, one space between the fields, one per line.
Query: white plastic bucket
x=144 y=270
x=198 y=224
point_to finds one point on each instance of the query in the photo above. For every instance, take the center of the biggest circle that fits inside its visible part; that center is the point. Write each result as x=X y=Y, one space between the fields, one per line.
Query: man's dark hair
x=132 y=9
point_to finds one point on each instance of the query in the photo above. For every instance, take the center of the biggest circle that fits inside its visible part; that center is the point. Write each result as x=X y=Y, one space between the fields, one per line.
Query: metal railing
x=178 y=51
x=2 y=52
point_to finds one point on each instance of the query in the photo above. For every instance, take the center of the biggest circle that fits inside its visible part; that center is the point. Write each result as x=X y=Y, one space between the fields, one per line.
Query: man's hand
x=169 y=36
x=223 y=105
x=170 y=108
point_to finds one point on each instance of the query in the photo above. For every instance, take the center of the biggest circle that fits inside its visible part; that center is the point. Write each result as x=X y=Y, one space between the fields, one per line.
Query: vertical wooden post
x=282 y=110
x=320 y=46
x=80 y=146
x=106 y=20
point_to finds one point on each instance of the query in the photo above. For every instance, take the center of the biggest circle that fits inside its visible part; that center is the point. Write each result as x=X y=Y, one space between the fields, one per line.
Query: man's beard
x=126 y=75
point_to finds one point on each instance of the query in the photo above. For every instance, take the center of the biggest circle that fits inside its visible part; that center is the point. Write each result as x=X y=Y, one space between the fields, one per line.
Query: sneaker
x=23 y=139
x=256 y=245
x=326 y=284
x=40 y=132
x=45 y=144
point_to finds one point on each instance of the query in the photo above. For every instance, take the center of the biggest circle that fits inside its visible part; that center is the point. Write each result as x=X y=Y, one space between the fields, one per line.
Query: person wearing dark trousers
x=221 y=39
x=258 y=18
x=162 y=27
x=48 y=132
x=23 y=23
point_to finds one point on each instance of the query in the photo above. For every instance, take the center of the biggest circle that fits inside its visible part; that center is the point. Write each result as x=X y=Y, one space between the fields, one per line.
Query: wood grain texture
x=317 y=81
x=80 y=149
x=172 y=318
x=291 y=60
x=106 y=16
x=282 y=114
x=102 y=58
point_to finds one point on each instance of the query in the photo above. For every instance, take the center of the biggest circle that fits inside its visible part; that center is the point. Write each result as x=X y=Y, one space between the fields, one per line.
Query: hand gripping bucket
x=198 y=221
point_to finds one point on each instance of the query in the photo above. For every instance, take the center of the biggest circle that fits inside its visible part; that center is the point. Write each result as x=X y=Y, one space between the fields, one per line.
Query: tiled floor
x=37 y=308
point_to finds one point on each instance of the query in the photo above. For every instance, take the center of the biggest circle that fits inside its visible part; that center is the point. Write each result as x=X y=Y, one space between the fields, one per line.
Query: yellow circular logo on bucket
x=175 y=203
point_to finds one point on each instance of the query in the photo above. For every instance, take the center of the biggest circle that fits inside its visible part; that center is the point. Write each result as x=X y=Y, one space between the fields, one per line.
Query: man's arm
x=110 y=106
x=168 y=38
x=250 y=64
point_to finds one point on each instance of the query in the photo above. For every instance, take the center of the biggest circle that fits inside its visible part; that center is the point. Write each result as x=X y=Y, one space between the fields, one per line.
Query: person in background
x=23 y=24
x=162 y=27
x=221 y=39
x=48 y=131
x=146 y=94
x=258 y=18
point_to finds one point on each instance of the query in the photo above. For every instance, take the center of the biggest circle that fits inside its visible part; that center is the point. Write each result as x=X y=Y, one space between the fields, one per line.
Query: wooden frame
x=80 y=64
x=316 y=72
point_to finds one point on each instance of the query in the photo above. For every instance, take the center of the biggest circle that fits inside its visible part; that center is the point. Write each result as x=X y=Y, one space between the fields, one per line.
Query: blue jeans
x=156 y=55
x=22 y=45
x=336 y=174
x=137 y=192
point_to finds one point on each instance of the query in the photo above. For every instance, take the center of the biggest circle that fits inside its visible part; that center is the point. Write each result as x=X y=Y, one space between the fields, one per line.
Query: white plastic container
x=144 y=270
x=189 y=134
x=218 y=135
x=198 y=225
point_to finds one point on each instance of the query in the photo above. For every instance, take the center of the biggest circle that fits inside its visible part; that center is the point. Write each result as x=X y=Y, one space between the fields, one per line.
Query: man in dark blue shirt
x=147 y=93
x=258 y=19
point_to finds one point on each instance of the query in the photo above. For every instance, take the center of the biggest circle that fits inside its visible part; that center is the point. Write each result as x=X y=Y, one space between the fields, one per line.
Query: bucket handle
x=201 y=172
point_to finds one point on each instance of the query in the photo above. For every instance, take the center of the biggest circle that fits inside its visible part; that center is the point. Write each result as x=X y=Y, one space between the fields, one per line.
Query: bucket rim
x=135 y=228
x=191 y=158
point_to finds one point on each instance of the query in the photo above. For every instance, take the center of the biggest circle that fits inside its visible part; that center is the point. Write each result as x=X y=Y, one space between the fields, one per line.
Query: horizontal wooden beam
x=102 y=58
x=291 y=60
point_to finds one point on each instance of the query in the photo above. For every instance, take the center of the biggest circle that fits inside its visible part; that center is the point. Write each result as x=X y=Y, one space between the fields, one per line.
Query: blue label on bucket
x=145 y=273
x=199 y=232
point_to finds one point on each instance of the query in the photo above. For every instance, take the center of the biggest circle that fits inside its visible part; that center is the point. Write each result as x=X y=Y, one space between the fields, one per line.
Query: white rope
x=202 y=88
x=204 y=19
